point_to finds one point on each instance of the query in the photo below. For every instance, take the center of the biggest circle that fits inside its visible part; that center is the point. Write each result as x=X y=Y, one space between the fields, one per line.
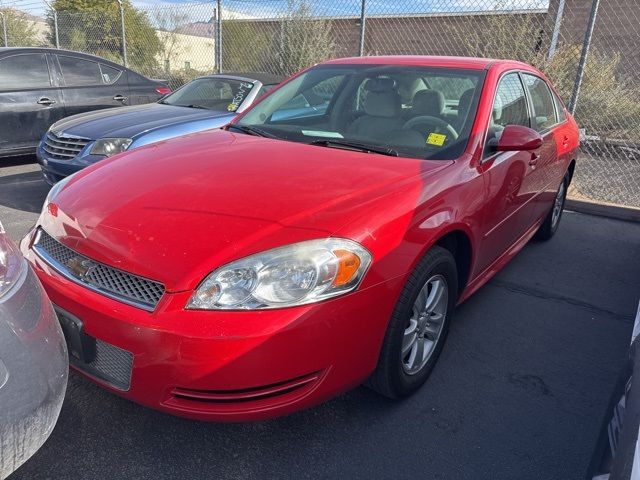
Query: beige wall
x=179 y=49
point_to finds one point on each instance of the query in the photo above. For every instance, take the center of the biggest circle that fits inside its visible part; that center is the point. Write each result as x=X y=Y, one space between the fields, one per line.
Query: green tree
x=21 y=32
x=304 y=40
x=245 y=46
x=93 y=26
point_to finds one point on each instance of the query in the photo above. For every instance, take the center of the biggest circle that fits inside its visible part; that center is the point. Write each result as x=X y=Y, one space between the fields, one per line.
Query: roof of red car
x=425 y=60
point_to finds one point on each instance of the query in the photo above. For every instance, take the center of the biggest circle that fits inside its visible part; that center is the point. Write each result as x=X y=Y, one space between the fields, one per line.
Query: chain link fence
x=589 y=48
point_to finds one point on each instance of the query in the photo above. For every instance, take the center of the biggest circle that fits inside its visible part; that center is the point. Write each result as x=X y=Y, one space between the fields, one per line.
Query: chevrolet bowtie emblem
x=79 y=266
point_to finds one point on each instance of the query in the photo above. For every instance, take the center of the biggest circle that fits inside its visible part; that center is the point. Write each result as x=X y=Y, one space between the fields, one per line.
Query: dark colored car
x=39 y=86
x=617 y=453
x=205 y=103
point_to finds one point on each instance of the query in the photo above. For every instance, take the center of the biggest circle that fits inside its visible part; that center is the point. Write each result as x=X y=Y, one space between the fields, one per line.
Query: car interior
x=211 y=94
x=424 y=113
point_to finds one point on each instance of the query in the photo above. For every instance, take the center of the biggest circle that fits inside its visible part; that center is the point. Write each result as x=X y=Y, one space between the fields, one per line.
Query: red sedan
x=321 y=241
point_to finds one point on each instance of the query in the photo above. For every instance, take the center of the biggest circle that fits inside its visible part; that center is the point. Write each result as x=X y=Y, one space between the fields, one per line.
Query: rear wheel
x=418 y=327
x=552 y=221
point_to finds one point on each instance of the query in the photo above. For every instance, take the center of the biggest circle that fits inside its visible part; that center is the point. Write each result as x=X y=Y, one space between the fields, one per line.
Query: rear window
x=559 y=108
x=109 y=74
x=543 y=108
x=212 y=93
x=24 y=71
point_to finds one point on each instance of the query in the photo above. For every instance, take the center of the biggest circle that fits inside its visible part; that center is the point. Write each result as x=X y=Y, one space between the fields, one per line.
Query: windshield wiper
x=357 y=146
x=251 y=130
x=194 y=106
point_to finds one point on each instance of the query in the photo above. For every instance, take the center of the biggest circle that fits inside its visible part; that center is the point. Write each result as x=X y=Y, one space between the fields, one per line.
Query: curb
x=618 y=212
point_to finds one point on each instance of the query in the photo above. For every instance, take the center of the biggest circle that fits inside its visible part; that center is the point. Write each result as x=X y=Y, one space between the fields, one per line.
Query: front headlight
x=12 y=265
x=110 y=146
x=297 y=274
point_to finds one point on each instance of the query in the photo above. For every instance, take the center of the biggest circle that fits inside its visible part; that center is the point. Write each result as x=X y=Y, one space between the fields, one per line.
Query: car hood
x=174 y=211
x=129 y=122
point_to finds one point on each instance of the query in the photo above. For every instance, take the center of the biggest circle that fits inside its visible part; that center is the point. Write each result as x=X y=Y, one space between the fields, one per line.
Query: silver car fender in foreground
x=33 y=361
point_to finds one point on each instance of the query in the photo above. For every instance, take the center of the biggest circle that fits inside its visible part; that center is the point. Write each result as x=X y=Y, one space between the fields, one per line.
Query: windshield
x=223 y=94
x=412 y=111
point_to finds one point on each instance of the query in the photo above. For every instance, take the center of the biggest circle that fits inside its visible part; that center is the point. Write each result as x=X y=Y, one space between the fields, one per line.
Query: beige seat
x=382 y=107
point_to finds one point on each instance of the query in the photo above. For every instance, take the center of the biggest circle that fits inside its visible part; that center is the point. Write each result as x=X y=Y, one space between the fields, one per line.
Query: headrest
x=379 y=84
x=382 y=104
x=428 y=102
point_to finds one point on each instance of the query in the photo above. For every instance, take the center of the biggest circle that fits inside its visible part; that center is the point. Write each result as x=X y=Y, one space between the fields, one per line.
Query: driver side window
x=509 y=108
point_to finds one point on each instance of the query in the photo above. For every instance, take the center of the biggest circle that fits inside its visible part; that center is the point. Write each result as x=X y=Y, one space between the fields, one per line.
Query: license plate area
x=94 y=357
x=81 y=346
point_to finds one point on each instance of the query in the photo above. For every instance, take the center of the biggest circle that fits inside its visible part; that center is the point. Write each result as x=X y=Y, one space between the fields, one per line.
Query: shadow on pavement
x=23 y=191
x=18 y=160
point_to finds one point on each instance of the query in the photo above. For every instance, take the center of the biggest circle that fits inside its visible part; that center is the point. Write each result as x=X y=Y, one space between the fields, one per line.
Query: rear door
x=508 y=183
x=29 y=101
x=548 y=172
x=91 y=85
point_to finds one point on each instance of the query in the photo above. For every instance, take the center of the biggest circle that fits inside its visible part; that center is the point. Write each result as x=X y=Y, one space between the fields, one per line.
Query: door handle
x=120 y=98
x=45 y=101
x=534 y=159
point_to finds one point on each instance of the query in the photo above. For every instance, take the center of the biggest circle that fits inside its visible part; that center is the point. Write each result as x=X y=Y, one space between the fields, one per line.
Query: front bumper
x=55 y=169
x=33 y=372
x=230 y=366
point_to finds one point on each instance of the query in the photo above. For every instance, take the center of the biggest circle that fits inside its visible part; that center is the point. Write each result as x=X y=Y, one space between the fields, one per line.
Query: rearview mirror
x=517 y=137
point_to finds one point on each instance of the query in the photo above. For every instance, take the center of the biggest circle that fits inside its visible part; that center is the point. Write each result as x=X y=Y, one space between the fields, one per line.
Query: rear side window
x=109 y=74
x=559 y=109
x=78 y=71
x=544 y=113
x=24 y=71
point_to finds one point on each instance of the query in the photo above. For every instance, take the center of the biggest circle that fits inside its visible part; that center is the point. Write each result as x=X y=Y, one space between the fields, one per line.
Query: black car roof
x=57 y=50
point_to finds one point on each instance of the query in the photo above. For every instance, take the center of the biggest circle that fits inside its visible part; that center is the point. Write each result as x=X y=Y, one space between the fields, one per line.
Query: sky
x=273 y=8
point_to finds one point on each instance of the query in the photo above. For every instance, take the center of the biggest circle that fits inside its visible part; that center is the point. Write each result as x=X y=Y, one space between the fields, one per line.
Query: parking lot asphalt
x=520 y=391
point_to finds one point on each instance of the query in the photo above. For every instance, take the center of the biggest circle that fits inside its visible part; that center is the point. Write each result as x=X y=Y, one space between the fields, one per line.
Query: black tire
x=389 y=377
x=550 y=225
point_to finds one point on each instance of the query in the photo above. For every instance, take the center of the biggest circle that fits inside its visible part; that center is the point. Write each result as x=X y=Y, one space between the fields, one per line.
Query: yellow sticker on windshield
x=436 y=139
x=231 y=107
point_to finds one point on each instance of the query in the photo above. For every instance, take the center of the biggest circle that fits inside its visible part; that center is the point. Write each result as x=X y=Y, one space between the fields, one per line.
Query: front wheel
x=552 y=221
x=418 y=326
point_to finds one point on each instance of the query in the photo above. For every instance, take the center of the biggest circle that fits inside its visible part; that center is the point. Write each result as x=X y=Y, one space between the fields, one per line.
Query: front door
x=29 y=101
x=509 y=189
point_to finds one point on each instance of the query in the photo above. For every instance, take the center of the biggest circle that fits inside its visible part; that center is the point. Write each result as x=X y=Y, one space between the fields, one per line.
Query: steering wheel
x=438 y=123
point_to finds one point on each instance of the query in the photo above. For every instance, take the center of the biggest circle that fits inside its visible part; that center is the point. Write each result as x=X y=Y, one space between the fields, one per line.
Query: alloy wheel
x=425 y=325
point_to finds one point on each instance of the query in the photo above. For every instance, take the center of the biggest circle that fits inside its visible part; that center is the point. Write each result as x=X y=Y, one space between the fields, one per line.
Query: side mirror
x=517 y=137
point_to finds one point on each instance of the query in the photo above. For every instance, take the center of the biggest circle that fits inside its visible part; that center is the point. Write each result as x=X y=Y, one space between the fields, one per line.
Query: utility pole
x=556 y=30
x=584 y=56
x=219 y=36
x=124 y=35
x=4 y=29
x=55 y=23
x=363 y=19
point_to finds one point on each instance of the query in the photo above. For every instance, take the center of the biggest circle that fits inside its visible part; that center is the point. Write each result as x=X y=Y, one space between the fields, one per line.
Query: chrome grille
x=128 y=288
x=63 y=147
